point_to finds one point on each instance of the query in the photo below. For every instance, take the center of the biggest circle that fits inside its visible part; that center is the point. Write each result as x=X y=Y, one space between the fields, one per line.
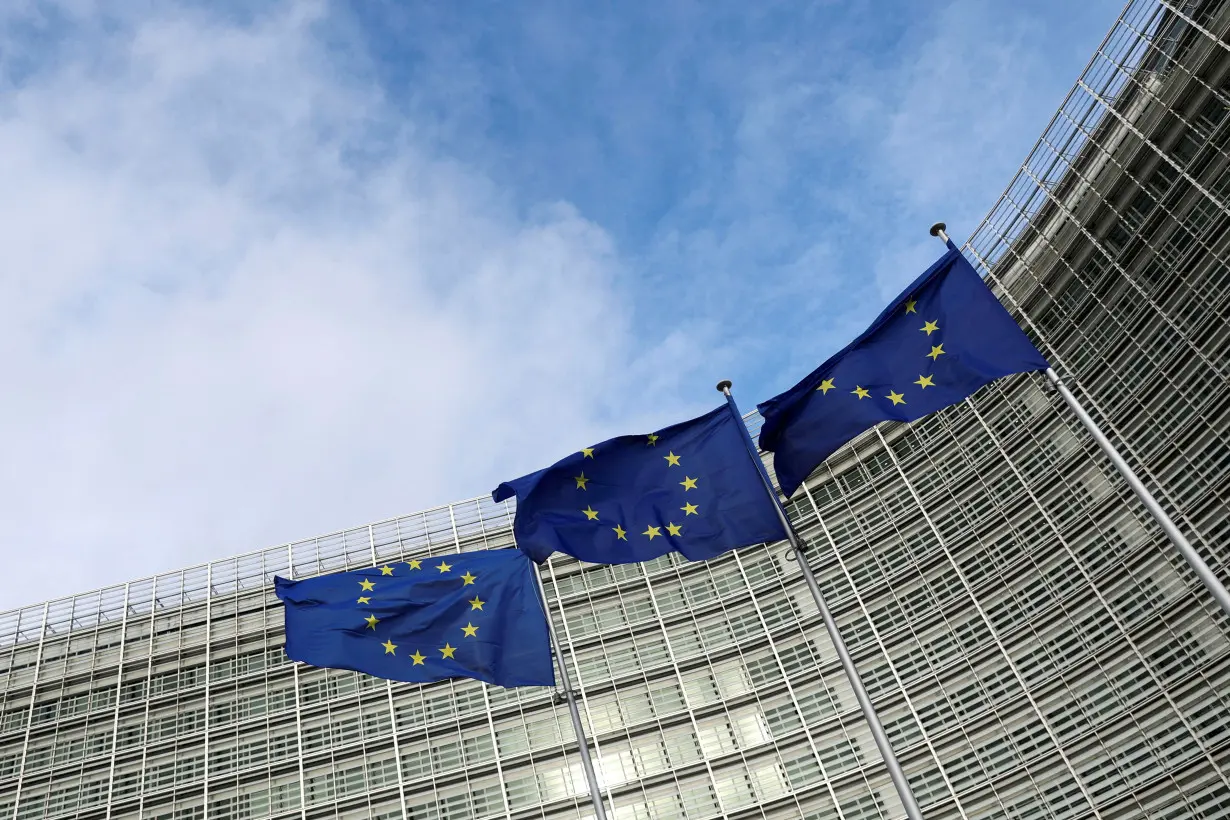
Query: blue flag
x=691 y=488
x=943 y=338
x=469 y=615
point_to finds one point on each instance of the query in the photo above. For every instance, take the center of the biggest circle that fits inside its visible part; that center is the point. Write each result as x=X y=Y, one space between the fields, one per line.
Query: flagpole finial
x=724 y=386
x=938 y=229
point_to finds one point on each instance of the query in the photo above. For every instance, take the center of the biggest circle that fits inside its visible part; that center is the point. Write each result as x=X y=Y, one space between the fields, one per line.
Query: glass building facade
x=1032 y=643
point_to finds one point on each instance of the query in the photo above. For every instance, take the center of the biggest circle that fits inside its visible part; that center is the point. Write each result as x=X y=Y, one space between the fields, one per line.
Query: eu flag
x=943 y=338
x=469 y=615
x=691 y=488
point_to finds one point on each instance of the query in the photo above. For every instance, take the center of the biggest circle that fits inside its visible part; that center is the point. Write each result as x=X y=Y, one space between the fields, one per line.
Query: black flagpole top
x=724 y=385
x=938 y=228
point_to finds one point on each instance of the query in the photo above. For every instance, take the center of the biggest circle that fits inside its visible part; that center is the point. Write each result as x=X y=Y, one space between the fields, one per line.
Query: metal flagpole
x=847 y=663
x=1211 y=582
x=587 y=763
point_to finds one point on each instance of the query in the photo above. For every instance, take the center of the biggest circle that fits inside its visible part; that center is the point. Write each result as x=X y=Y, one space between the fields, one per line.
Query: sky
x=267 y=275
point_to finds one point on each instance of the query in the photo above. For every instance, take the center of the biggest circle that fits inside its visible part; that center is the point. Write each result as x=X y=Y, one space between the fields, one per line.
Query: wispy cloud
x=857 y=128
x=242 y=304
x=270 y=274
x=767 y=171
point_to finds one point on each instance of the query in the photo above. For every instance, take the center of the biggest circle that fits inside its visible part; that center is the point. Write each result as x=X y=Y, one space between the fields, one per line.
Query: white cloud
x=239 y=306
x=960 y=111
x=847 y=155
x=842 y=152
x=244 y=299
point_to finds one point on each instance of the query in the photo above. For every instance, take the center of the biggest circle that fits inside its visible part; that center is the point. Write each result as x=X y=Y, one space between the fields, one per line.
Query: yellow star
x=924 y=382
x=653 y=440
x=590 y=513
x=909 y=306
x=476 y=604
x=587 y=452
x=417 y=658
x=415 y=563
x=443 y=567
x=471 y=630
x=672 y=460
x=367 y=585
x=386 y=570
x=468 y=578
x=364 y=599
x=688 y=483
x=689 y=509
x=620 y=533
x=674 y=529
x=448 y=650
x=929 y=328
x=897 y=398
x=936 y=351
x=826 y=386
x=389 y=646
x=861 y=392
x=372 y=620
x=580 y=480
x=652 y=532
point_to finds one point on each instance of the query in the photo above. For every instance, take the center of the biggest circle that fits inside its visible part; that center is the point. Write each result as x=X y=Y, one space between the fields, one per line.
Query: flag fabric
x=469 y=615
x=691 y=488
x=939 y=341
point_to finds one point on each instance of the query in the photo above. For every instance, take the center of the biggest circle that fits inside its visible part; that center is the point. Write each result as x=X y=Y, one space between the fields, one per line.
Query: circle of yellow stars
x=651 y=532
x=923 y=381
x=448 y=650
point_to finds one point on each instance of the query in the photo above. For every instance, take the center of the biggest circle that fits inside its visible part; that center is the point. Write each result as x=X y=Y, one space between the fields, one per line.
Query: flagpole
x=1211 y=582
x=856 y=683
x=587 y=763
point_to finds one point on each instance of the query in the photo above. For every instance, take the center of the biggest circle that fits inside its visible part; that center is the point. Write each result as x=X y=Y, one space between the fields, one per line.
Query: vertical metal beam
x=1088 y=578
x=25 y=741
x=895 y=772
x=495 y=749
x=790 y=692
x=986 y=620
x=875 y=631
x=388 y=686
x=1211 y=582
x=587 y=763
x=683 y=688
x=580 y=680
x=294 y=666
x=209 y=597
x=119 y=691
x=495 y=746
x=149 y=675
x=1054 y=353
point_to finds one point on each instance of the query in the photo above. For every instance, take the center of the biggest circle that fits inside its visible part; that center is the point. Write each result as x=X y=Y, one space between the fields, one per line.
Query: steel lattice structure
x=1032 y=644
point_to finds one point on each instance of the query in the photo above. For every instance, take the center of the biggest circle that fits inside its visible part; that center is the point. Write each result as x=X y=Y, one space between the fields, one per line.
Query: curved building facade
x=1031 y=641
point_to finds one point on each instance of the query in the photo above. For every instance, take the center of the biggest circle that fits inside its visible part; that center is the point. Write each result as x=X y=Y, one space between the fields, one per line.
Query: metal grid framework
x=1033 y=647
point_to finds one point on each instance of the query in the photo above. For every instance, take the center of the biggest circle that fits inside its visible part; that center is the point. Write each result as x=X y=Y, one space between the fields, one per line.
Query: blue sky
x=753 y=163
x=268 y=275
